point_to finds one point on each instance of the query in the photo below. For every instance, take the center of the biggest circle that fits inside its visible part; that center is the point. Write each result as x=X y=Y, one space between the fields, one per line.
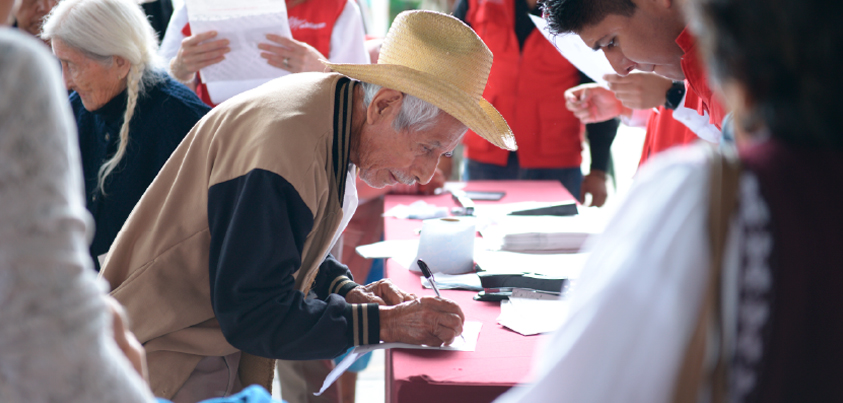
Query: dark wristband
x=674 y=95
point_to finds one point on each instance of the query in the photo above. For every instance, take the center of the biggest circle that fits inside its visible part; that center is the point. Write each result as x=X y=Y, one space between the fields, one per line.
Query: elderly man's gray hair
x=415 y=114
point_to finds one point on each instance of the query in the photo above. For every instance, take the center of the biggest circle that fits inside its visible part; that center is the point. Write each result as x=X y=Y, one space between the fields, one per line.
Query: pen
x=429 y=276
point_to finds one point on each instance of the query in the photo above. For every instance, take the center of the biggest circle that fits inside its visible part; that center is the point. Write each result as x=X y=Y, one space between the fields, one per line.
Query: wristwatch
x=674 y=95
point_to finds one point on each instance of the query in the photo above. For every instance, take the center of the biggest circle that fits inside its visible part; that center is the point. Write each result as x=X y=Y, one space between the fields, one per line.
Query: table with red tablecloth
x=503 y=358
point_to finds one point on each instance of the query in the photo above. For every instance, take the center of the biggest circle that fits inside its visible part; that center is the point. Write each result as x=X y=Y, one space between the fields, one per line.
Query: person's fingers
x=614 y=78
x=275 y=61
x=444 y=305
x=198 y=58
x=277 y=50
x=583 y=191
x=212 y=46
x=202 y=65
x=283 y=41
x=598 y=199
x=198 y=38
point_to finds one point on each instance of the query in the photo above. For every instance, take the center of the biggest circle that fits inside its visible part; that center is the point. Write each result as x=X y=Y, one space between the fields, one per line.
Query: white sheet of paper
x=388 y=249
x=593 y=64
x=532 y=316
x=468 y=342
x=244 y=24
x=469 y=281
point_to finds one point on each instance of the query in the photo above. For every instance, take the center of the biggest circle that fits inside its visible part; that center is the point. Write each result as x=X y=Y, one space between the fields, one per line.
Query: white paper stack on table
x=543 y=234
x=244 y=24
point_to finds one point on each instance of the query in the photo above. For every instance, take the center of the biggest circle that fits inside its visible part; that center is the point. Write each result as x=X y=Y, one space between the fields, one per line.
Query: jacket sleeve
x=258 y=226
x=333 y=278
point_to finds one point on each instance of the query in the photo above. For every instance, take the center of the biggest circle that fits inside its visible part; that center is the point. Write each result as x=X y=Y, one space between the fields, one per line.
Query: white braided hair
x=102 y=29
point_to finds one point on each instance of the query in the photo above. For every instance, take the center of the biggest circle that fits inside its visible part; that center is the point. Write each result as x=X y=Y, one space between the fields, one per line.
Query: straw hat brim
x=478 y=114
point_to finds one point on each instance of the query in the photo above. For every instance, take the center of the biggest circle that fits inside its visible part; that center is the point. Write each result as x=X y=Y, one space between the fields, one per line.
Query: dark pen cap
x=425 y=270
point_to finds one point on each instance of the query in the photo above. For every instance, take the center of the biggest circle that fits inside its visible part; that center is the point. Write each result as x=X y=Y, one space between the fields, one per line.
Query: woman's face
x=95 y=82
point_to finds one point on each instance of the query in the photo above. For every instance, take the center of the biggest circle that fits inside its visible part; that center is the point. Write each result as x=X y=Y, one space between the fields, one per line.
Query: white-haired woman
x=130 y=114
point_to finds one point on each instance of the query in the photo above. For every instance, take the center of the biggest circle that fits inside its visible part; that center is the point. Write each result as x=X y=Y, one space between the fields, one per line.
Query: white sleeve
x=173 y=37
x=636 y=303
x=699 y=124
x=348 y=37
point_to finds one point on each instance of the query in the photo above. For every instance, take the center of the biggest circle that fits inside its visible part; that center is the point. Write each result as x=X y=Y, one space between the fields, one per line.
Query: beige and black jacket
x=223 y=248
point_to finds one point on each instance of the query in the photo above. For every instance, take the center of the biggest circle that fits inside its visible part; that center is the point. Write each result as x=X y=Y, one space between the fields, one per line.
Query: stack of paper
x=543 y=233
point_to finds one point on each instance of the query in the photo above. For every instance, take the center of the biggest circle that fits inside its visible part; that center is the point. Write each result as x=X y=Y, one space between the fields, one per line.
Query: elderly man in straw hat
x=224 y=264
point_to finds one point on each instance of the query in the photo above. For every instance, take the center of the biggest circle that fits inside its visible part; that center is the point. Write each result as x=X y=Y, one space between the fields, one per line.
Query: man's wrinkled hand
x=381 y=292
x=595 y=184
x=592 y=103
x=432 y=321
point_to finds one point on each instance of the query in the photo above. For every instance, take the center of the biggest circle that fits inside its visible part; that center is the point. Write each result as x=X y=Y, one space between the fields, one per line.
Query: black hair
x=787 y=56
x=567 y=16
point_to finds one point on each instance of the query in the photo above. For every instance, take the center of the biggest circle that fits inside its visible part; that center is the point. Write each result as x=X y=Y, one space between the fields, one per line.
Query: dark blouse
x=164 y=114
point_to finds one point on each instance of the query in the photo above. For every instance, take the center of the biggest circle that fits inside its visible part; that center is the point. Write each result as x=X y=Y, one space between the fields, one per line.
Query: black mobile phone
x=485 y=196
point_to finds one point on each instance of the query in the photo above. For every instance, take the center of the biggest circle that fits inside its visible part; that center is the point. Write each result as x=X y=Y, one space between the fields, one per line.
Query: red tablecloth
x=503 y=357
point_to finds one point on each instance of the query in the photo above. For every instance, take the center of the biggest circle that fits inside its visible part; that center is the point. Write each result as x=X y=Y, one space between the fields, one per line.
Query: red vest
x=663 y=132
x=705 y=100
x=527 y=88
x=311 y=22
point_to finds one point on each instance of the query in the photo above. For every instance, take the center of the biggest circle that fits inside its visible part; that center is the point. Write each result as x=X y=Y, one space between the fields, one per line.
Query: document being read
x=244 y=24
x=466 y=342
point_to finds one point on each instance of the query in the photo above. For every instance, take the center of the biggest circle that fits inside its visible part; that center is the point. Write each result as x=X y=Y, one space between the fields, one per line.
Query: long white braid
x=133 y=83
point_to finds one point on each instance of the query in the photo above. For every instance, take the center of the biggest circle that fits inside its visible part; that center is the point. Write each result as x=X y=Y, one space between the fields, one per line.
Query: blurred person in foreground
x=62 y=339
x=650 y=301
x=223 y=266
x=130 y=114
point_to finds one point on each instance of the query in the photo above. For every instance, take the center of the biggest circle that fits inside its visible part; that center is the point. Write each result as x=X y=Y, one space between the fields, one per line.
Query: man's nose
x=619 y=62
x=423 y=170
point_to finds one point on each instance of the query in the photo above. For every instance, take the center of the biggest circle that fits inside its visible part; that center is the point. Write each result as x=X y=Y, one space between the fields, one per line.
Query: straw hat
x=437 y=58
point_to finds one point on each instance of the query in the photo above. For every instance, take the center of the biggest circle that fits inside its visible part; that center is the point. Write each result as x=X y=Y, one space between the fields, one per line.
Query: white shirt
x=633 y=309
x=56 y=341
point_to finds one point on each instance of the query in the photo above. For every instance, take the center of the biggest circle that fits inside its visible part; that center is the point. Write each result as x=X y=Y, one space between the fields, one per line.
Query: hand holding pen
x=429 y=276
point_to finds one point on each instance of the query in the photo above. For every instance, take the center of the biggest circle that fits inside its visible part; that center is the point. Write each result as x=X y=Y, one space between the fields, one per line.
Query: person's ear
x=385 y=105
x=123 y=66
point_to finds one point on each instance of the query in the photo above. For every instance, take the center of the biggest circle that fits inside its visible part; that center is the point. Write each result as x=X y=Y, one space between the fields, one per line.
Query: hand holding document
x=244 y=25
x=593 y=64
x=468 y=342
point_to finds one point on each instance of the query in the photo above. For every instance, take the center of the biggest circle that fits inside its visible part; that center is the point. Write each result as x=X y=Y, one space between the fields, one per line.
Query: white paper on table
x=244 y=24
x=418 y=210
x=533 y=316
x=468 y=342
x=388 y=249
x=469 y=281
x=593 y=64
